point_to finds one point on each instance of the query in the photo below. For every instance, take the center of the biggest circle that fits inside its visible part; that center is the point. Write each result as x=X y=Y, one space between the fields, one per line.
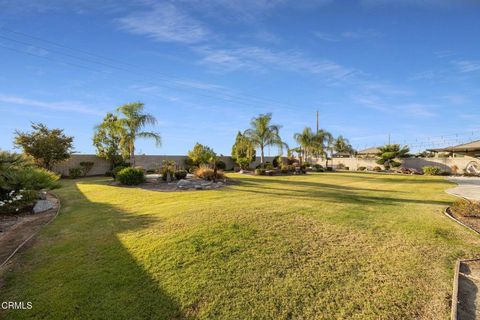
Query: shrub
x=329 y=169
x=168 y=167
x=260 y=172
x=131 y=176
x=151 y=171
x=361 y=168
x=284 y=168
x=20 y=181
x=317 y=167
x=466 y=208
x=75 y=172
x=86 y=167
x=180 y=174
x=221 y=165
x=116 y=170
x=432 y=170
x=266 y=166
x=277 y=161
x=307 y=164
x=377 y=169
x=340 y=166
x=207 y=173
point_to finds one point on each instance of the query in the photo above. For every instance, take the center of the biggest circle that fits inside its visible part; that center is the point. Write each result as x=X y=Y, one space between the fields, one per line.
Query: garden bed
x=15 y=229
x=190 y=183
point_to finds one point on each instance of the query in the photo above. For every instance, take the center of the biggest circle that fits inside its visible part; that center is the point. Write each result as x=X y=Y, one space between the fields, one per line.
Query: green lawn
x=320 y=246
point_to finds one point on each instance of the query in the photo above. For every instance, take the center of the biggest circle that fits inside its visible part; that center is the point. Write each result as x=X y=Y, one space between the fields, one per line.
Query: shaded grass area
x=320 y=246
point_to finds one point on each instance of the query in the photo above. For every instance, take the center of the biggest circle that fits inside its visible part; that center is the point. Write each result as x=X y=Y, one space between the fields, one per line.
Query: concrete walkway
x=468 y=187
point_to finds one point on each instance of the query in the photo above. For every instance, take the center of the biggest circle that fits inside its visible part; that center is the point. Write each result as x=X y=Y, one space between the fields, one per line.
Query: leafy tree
x=243 y=151
x=342 y=145
x=133 y=121
x=263 y=134
x=201 y=154
x=389 y=153
x=107 y=140
x=46 y=146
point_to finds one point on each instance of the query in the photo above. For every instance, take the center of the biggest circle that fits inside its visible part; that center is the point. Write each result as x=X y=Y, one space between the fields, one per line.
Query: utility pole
x=317 y=121
x=389 y=138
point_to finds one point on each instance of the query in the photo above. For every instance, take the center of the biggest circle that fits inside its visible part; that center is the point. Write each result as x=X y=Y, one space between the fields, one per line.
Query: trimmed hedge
x=131 y=176
x=432 y=170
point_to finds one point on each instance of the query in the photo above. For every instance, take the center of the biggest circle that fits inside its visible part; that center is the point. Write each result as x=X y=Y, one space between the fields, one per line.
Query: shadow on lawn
x=325 y=191
x=79 y=268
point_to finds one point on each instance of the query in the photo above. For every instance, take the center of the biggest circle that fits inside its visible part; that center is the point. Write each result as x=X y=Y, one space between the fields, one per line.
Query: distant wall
x=414 y=163
x=101 y=166
x=151 y=162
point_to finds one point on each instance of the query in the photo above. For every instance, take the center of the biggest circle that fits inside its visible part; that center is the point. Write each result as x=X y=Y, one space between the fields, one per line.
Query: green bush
x=116 y=170
x=86 y=166
x=377 y=169
x=267 y=166
x=131 y=176
x=432 y=170
x=317 y=167
x=180 y=174
x=341 y=166
x=284 y=168
x=75 y=172
x=221 y=165
x=168 y=167
x=277 y=161
x=466 y=208
x=20 y=182
x=260 y=172
x=361 y=168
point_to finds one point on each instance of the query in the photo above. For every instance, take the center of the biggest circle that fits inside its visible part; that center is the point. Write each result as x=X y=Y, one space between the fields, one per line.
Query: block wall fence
x=101 y=166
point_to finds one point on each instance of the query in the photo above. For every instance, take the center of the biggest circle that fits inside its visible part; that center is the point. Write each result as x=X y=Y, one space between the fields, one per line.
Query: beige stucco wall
x=414 y=163
x=146 y=161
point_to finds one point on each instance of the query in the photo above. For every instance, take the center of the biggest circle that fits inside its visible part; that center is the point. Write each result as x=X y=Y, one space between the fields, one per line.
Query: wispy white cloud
x=66 y=106
x=258 y=58
x=165 y=22
x=466 y=66
x=410 y=109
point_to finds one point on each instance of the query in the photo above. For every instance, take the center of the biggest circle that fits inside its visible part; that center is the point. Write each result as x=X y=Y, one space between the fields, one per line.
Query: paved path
x=468 y=187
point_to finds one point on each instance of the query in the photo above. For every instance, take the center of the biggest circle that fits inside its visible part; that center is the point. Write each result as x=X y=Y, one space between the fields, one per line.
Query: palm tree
x=342 y=145
x=263 y=134
x=323 y=141
x=389 y=153
x=133 y=122
x=306 y=141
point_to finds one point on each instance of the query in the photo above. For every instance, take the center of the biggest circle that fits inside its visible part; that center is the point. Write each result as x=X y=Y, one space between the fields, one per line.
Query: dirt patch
x=16 y=229
x=468 y=290
x=471 y=222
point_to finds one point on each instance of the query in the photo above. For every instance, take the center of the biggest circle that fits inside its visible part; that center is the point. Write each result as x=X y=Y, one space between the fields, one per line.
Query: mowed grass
x=320 y=246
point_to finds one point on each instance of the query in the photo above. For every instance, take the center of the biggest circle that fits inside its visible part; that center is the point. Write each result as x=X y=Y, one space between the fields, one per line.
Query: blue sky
x=204 y=68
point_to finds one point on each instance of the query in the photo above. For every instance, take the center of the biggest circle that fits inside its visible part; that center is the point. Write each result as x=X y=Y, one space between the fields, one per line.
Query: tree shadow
x=78 y=268
x=325 y=192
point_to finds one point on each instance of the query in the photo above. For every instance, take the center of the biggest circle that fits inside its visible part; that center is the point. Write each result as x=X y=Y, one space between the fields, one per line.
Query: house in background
x=369 y=153
x=471 y=149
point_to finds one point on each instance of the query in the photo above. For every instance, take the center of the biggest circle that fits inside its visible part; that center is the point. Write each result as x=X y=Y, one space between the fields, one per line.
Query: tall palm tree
x=263 y=134
x=322 y=143
x=306 y=141
x=133 y=121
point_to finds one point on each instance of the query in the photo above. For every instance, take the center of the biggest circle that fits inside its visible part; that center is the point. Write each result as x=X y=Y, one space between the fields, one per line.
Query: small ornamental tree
x=201 y=154
x=107 y=140
x=46 y=146
x=390 y=153
x=243 y=151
